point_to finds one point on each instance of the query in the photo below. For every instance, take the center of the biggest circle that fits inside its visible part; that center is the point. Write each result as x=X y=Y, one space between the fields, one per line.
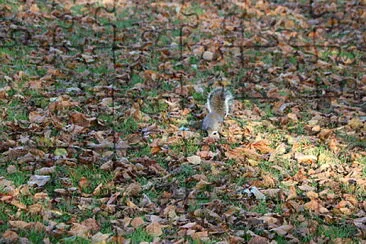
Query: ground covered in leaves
x=100 y=109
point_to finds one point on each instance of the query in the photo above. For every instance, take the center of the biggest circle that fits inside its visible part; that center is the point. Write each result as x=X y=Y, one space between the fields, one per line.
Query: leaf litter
x=289 y=170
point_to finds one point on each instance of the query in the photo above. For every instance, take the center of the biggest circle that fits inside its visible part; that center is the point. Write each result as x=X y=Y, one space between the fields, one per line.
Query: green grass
x=154 y=107
x=261 y=207
x=18 y=178
x=139 y=235
x=75 y=239
x=338 y=231
x=188 y=147
x=15 y=110
x=94 y=175
x=127 y=126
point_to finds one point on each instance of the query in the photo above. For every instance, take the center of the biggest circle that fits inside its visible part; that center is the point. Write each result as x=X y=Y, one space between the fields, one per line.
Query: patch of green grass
x=106 y=118
x=106 y=227
x=75 y=239
x=127 y=126
x=94 y=176
x=352 y=141
x=6 y=210
x=281 y=240
x=141 y=152
x=154 y=107
x=185 y=171
x=261 y=207
x=27 y=200
x=187 y=147
x=338 y=231
x=297 y=128
x=199 y=97
x=363 y=163
x=66 y=207
x=56 y=179
x=289 y=167
x=15 y=110
x=139 y=235
x=27 y=217
x=18 y=178
x=33 y=235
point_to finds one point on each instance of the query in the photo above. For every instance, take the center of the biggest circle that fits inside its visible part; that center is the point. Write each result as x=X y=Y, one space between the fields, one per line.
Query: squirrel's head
x=213 y=134
x=212 y=124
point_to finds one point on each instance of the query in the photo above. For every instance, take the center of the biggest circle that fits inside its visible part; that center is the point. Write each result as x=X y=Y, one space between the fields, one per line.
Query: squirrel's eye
x=214 y=133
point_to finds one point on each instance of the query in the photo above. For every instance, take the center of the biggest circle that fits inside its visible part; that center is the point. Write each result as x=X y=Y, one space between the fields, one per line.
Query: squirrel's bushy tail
x=219 y=101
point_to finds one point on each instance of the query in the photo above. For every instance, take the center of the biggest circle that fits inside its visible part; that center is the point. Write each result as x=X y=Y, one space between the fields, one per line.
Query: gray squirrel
x=218 y=104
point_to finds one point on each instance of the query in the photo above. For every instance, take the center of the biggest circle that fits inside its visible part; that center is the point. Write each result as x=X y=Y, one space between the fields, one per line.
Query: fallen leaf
x=39 y=180
x=81 y=120
x=258 y=240
x=18 y=224
x=100 y=238
x=154 y=229
x=10 y=236
x=137 y=221
x=283 y=229
x=207 y=55
x=305 y=159
x=91 y=224
x=194 y=159
x=79 y=230
x=355 y=123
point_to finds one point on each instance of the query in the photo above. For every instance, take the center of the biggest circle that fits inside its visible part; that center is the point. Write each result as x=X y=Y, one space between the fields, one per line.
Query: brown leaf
x=36 y=117
x=35 y=208
x=35 y=84
x=79 y=230
x=46 y=170
x=169 y=211
x=100 y=238
x=83 y=182
x=81 y=120
x=137 y=221
x=98 y=189
x=262 y=146
x=292 y=117
x=293 y=194
x=133 y=189
x=258 y=240
x=154 y=229
x=3 y=92
x=312 y=195
x=305 y=159
x=18 y=204
x=283 y=229
x=314 y=205
x=240 y=153
x=20 y=224
x=91 y=224
x=334 y=145
x=199 y=235
x=194 y=159
x=355 y=123
x=10 y=236
x=61 y=104
x=324 y=134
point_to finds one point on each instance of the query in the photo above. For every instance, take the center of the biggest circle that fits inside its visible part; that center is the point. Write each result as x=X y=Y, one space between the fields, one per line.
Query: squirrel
x=218 y=104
